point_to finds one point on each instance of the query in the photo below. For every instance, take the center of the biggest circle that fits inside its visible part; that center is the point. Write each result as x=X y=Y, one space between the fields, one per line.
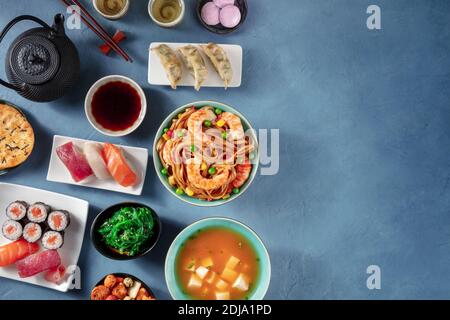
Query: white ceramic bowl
x=112 y=17
x=170 y=24
x=88 y=105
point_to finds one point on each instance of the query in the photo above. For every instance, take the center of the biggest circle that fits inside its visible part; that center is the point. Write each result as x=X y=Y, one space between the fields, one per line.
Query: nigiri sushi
x=15 y=251
x=38 y=262
x=74 y=161
x=93 y=154
x=118 y=166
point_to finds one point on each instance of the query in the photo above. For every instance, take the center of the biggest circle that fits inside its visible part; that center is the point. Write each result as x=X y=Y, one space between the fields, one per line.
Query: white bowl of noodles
x=206 y=162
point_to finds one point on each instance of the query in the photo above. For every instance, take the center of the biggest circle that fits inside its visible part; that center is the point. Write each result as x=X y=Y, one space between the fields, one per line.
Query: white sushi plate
x=157 y=75
x=138 y=158
x=73 y=237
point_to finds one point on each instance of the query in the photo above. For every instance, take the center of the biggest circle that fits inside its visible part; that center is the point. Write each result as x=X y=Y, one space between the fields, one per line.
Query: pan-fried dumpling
x=220 y=61
x=195 y=64
x=170 y=63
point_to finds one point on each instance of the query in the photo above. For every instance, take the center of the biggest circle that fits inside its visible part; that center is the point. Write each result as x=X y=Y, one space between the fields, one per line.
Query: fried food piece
x=99 y=293
x=120 y=291
x=110 y=281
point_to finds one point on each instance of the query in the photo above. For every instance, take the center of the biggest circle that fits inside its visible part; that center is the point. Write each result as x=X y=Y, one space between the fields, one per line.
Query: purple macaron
x=230 y=16
x=210 y=14
x=223 y=3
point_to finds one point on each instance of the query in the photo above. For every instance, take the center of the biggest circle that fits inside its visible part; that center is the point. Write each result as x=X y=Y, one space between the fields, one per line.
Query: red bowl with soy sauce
x=115 y=105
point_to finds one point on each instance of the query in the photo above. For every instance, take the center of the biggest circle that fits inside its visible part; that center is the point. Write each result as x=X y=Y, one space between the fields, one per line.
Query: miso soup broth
x=217 y=264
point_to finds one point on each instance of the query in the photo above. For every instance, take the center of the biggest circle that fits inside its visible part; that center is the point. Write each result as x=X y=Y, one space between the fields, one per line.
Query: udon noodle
x=206 y=154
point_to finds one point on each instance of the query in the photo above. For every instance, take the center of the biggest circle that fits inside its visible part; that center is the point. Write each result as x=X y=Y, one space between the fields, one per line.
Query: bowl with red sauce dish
x=115 y=105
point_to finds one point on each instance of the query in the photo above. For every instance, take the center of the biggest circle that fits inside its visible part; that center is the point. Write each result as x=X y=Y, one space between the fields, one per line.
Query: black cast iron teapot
x=42 y=63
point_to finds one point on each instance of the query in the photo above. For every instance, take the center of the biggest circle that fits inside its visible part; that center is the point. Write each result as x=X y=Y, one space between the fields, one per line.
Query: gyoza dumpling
x=170 y=63
x=195 y=64
x=219 y=59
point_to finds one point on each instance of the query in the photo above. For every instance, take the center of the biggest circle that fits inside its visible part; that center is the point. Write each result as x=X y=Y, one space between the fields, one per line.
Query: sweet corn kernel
x=226 y=197
x=172 y=181
x=166 y=136
x=220 y=123
x=204 y=166
x=189 y=192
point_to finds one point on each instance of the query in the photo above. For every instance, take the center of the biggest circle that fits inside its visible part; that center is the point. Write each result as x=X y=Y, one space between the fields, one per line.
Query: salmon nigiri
x=15 y=251
x=118 y=166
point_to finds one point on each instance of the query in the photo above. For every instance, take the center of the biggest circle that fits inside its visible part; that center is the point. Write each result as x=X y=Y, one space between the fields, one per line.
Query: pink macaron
x=230 y=16
x=223 y=3
x=210 y=14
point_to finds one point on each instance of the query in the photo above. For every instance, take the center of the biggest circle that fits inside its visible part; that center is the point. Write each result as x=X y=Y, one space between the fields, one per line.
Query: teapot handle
x=5 y=31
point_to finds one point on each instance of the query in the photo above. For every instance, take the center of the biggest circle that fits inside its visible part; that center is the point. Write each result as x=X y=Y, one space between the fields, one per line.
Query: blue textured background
x=365 y=135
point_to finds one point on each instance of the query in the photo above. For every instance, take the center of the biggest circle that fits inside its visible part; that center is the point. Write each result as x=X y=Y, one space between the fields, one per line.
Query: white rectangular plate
x=157 y=75
x=57 y=171
x=73 y=237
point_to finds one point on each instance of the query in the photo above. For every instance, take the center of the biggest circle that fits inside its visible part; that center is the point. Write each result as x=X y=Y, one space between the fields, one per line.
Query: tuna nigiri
x=93 y=154
x=15 y=251
x=74 y=161
x=38 y=263
x=118 y=166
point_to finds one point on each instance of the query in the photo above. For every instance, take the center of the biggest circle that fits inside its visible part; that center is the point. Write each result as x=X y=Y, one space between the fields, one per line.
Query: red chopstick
x=102 y=33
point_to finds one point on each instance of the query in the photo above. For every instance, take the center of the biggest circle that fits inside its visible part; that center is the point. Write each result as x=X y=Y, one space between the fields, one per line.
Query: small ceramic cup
x=90 y=96
x=98 y=5
x=169 y=24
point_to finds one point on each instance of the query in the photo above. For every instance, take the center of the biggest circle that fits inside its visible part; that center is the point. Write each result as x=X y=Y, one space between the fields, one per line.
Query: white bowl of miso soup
x=217 y=259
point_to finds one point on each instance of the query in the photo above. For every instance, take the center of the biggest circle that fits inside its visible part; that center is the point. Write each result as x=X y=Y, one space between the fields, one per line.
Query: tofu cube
x=241 y=283
x=222 y=285
x=211 y=277
x=194 y=282
x=232 y=263
x=202 y=272
x=229 y=275
x=222 y=296
x=207 y=262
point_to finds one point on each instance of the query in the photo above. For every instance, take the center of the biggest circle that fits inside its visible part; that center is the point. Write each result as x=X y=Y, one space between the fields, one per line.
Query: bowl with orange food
x=217 y=259
x=206 y=153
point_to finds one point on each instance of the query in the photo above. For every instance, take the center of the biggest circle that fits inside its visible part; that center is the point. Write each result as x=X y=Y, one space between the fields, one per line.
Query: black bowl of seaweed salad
x=126 y=231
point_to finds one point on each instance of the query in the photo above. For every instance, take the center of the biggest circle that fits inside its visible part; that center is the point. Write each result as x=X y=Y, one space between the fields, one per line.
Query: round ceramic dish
x=5 y=171
x=126 y=275
x=88 y=105
x=263 y=282
x=169 y=24
x=158 y=165
x=108 y=213
x=219 y=29
x=122 y=13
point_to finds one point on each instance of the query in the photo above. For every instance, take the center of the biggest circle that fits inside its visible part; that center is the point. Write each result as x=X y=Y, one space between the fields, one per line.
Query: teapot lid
x=34 y=59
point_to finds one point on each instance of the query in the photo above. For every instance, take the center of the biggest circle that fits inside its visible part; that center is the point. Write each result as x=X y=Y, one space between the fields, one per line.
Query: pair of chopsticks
x=85 y=16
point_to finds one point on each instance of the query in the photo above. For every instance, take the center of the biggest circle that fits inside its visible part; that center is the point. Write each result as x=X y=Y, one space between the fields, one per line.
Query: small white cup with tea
x=166 y=13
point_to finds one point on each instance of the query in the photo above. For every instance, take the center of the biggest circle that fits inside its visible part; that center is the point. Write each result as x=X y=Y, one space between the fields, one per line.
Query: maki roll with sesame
x=17 y=210
x=12 y=230
x=52 y=240
x=38 y=212
x=32 y=232
x=58 y=220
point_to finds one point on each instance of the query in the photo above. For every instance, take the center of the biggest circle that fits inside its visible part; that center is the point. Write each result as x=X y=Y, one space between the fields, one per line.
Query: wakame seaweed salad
x=128 y=230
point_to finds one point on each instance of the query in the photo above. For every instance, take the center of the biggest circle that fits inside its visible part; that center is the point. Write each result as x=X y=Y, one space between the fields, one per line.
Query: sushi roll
x=52 y=240
x=58 y=220
x=32 y=232
x=17 y=210
x=38 y=212
x=12 y=230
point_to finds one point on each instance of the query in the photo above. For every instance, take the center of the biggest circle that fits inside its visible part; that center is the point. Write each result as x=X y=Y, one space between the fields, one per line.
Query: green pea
x=207 y=123
x=164 y=171
x=166 y=130
x=217 y=111
x=179 y=191
x=193 y=148
x=212 y=171
x=224 y=135
x=236 y=190
x=180 y=134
